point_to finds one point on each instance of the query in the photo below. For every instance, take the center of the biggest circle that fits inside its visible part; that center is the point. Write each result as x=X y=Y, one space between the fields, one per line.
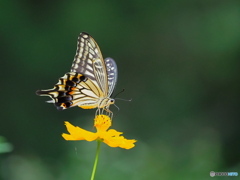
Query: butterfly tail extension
x=64 y=94
x=73 y=89
x=60 y=99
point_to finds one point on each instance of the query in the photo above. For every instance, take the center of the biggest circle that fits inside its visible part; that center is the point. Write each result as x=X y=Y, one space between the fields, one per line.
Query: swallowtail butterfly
x=90 y=82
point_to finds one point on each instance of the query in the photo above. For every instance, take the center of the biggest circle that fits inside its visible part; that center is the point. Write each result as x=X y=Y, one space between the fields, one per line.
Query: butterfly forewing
x=89 y=61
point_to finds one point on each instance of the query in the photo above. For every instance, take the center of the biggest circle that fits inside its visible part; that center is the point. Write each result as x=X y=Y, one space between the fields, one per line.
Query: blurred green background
x=177 y=60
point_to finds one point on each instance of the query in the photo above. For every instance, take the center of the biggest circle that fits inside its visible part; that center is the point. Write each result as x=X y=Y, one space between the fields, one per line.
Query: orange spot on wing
x=79 y=75
x=63 y=105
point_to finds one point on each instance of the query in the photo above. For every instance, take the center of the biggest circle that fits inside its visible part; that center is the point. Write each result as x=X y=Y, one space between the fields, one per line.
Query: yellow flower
x=111 y=137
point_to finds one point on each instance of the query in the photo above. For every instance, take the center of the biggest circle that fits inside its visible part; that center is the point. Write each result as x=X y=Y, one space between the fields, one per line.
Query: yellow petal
x=127 y=143
x=69 y=137
x=108 y=134
x=113 y=132
x=77 y=133
x=120 y=141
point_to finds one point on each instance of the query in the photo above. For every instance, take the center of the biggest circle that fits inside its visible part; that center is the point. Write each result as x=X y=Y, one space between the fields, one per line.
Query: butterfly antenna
x=129 y=100
x=121 y=98
x=119 y=93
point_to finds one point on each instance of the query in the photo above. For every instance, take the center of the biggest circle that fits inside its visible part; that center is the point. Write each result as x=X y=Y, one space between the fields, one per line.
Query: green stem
x=96 y=159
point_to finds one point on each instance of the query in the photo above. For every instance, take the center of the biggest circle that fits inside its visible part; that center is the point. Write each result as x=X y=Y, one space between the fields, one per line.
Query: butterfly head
x=111 y=101
x=106 y=102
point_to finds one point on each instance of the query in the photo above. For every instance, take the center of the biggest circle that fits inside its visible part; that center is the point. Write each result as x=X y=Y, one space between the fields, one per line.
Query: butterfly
x=90 y=82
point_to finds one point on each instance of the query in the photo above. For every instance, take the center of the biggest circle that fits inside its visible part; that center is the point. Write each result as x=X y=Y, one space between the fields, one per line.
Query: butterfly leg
x=98 y=112
x=104 y=111
x=108 y=112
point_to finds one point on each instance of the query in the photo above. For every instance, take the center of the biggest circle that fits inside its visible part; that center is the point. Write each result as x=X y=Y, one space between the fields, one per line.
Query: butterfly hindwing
x=112 y=73
x=73 y=89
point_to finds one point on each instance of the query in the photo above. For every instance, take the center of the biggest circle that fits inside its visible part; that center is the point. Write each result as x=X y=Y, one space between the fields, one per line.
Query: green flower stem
x=96 y=160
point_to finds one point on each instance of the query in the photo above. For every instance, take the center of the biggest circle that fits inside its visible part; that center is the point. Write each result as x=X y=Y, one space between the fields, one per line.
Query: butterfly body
x=91 y=80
